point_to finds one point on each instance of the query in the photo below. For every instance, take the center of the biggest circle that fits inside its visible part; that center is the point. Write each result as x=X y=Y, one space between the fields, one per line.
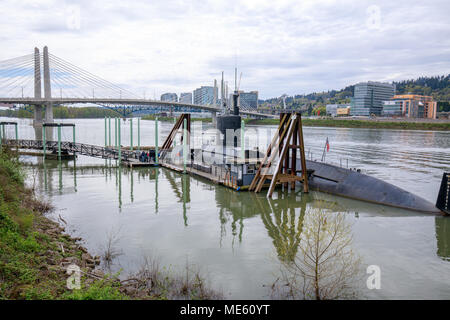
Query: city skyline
x=282 y=47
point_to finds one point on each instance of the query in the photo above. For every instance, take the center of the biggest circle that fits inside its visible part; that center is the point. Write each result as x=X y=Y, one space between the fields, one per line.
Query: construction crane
x=283 y=97
x=239 y=83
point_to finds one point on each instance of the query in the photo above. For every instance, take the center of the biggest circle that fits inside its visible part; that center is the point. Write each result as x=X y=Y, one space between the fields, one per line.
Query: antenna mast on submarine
x=235 y=95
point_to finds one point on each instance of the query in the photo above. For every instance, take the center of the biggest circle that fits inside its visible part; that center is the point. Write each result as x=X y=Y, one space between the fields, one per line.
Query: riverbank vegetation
x=36 y=255
x=34 y=251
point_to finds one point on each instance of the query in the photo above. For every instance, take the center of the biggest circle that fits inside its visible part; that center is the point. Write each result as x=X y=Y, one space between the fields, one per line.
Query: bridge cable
x=90 y=77
x=81 y=79
x=98 y=79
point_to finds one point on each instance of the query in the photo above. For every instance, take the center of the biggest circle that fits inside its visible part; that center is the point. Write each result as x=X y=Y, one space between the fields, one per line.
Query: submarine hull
x=352 y=184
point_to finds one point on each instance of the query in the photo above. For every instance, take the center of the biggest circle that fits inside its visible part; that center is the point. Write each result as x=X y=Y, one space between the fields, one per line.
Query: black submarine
x=356 y=185
x=340 y=181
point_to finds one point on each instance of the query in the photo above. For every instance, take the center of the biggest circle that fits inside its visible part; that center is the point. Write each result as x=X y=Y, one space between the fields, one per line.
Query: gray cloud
x=280 y=46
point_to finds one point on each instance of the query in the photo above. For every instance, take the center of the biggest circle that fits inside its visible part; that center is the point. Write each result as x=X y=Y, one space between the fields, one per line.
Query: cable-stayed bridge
x=44 y=80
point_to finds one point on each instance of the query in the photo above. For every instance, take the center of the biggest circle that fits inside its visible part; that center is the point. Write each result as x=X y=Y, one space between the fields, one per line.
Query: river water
x=237 y=239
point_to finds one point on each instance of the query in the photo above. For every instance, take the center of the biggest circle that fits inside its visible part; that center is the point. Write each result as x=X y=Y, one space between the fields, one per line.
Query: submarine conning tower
x=231 y=122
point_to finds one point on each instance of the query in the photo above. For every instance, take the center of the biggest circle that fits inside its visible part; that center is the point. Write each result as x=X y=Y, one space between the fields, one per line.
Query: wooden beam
x=293 y=147
x=282 y=156
x=268 y=153
x=302 y=155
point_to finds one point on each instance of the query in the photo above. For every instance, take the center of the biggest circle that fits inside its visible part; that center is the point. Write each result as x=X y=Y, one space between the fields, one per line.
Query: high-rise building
x=248 y=99
x=369 y=96
x=186 y=97
x=411 y=106
x=392 y=108
x=169 y=97
x=337 y=109
x=205 y=95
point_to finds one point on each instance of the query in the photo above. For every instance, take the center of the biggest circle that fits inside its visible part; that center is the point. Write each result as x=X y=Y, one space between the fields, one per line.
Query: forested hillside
x=438 y=87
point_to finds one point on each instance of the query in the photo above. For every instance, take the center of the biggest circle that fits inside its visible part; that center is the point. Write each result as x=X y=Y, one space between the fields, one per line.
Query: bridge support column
x=49 y=113
x=37 y=92
x=37 y=116
x=48 y=93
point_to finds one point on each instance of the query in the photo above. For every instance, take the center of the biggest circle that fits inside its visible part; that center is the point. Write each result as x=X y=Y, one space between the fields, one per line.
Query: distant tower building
x=169 y=97
x=186 y=97
x=369 y=96
x=205 y=95
x=248 y=99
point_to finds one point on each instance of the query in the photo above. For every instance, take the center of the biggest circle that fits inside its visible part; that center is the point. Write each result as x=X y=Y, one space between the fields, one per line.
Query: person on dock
x=142 y=157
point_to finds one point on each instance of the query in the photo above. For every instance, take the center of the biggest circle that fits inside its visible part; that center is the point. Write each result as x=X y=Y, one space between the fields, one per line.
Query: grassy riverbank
x=344 y=123
x=35 y=253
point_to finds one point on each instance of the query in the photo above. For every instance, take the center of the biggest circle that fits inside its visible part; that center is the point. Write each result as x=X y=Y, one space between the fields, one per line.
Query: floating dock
x=133 y=163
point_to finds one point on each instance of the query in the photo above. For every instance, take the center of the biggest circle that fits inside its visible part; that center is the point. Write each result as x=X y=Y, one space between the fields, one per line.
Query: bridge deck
x=117 y=101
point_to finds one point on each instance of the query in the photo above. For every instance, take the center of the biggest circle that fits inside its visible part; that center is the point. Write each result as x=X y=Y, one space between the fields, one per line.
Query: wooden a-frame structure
x=287 y=140
x=171 y=137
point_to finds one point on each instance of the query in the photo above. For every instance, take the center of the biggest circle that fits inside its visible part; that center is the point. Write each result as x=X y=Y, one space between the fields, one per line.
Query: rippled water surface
x=237 y=238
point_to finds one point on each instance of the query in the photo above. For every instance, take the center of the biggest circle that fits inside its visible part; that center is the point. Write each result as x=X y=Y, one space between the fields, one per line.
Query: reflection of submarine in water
x=283 y=216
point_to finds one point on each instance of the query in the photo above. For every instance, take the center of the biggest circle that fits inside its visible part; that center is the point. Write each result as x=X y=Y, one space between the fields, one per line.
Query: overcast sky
x=291 y=47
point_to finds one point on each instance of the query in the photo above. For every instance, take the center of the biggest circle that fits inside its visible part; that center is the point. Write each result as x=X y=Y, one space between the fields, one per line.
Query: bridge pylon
x=38 y=108
x=47 y=88
x=37 y=89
